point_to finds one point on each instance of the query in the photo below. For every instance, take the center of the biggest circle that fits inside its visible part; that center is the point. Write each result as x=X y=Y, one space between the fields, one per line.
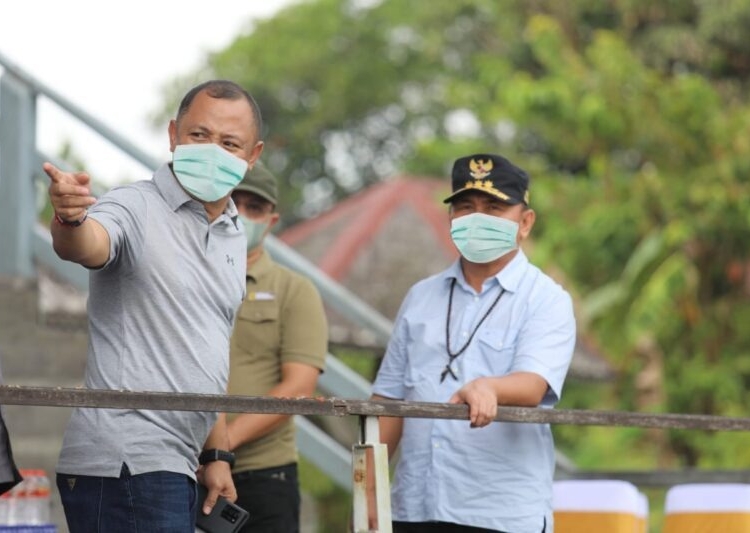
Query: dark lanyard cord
x=452 y=356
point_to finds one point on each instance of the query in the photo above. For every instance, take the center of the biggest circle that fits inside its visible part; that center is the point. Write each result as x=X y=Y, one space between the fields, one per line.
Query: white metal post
x=371 y=484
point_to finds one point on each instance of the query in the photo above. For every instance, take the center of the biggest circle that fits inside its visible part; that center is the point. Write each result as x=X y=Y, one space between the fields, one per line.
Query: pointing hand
x=69 y=192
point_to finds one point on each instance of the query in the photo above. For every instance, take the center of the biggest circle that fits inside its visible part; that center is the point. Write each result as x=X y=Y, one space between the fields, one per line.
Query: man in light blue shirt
x=490 y=330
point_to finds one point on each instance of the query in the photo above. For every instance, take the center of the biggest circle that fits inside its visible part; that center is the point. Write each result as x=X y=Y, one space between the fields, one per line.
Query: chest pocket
x=496 y=353
x=257 y=327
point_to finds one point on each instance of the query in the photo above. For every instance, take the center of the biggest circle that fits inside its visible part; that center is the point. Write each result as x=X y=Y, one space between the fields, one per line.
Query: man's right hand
x=86 y=244
x=69 y=192
x=217 y=478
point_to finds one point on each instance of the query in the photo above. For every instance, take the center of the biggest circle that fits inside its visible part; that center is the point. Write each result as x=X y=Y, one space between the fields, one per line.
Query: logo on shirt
x=230 y=260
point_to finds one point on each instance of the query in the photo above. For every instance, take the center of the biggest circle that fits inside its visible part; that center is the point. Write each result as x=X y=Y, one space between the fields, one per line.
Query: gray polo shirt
x=160 y=314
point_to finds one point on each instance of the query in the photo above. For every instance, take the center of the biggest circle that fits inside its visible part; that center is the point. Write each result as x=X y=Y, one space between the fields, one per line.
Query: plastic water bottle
x=5 y=509
x=45 y=497
x=27 y=503
x=17 y=501
x=37 y=508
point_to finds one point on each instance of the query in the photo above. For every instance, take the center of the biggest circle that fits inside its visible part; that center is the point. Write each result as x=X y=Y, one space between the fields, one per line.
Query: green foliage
x=361 y=360
x=333 y=504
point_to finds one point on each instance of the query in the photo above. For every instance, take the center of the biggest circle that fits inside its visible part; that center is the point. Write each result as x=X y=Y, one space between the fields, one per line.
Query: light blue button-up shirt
x=499 y=476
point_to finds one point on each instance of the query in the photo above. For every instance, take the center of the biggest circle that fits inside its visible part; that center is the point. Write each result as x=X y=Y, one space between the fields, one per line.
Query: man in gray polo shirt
x=167 y=260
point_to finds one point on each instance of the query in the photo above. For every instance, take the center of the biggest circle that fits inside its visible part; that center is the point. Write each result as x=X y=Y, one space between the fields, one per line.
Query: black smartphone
x=225 y=517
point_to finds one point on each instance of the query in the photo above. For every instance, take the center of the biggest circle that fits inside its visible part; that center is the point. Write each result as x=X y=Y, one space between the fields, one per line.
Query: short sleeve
x=389 y=381
x=304 y=328
x=123 y=212
x=547 y=339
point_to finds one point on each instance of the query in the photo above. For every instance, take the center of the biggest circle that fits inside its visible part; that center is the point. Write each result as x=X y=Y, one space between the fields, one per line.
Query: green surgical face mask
x=253 y=231
x=482 y=238
x=207 y=171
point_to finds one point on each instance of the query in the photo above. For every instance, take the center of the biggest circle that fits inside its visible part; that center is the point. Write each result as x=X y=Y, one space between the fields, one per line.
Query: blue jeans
x=153 y=502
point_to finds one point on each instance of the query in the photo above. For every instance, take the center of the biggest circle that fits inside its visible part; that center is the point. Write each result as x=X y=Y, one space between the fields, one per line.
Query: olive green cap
x=259 y=180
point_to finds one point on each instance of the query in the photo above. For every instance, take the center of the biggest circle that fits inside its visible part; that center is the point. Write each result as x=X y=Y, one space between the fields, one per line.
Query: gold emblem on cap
x=479 y=169
x=487 y=187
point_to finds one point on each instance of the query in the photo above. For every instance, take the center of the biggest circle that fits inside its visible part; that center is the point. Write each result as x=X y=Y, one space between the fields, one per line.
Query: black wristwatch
x=214 y=454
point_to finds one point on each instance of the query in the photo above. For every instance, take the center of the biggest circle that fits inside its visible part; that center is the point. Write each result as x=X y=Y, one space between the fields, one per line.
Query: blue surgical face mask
x=253 y=231
x=483 y=238
x=207 y=171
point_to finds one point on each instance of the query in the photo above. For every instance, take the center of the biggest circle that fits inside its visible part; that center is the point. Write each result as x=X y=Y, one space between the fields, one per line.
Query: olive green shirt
x=280 y=321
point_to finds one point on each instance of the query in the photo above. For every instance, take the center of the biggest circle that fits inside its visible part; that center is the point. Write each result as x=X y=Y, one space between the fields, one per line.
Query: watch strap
x=215 y=454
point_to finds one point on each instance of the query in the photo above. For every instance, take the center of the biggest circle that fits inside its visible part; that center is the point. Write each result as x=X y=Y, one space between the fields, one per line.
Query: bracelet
x=214 y=454
x=71 y=223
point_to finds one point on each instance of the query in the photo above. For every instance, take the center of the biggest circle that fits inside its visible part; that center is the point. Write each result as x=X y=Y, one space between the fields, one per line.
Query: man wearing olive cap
x=490 y=330
x=278 y=348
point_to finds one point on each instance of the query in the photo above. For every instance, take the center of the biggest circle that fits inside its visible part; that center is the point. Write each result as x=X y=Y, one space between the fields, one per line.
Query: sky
x=111 y=59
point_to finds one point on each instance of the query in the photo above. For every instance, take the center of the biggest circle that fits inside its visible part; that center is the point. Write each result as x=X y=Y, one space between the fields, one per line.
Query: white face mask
x=254 y=231
x=207 y=171
x=482 y=238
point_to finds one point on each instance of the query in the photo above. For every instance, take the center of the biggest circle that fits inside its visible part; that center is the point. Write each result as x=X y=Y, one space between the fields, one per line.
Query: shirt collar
x=169 y=187
x=509 y=277
x=231 y=210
